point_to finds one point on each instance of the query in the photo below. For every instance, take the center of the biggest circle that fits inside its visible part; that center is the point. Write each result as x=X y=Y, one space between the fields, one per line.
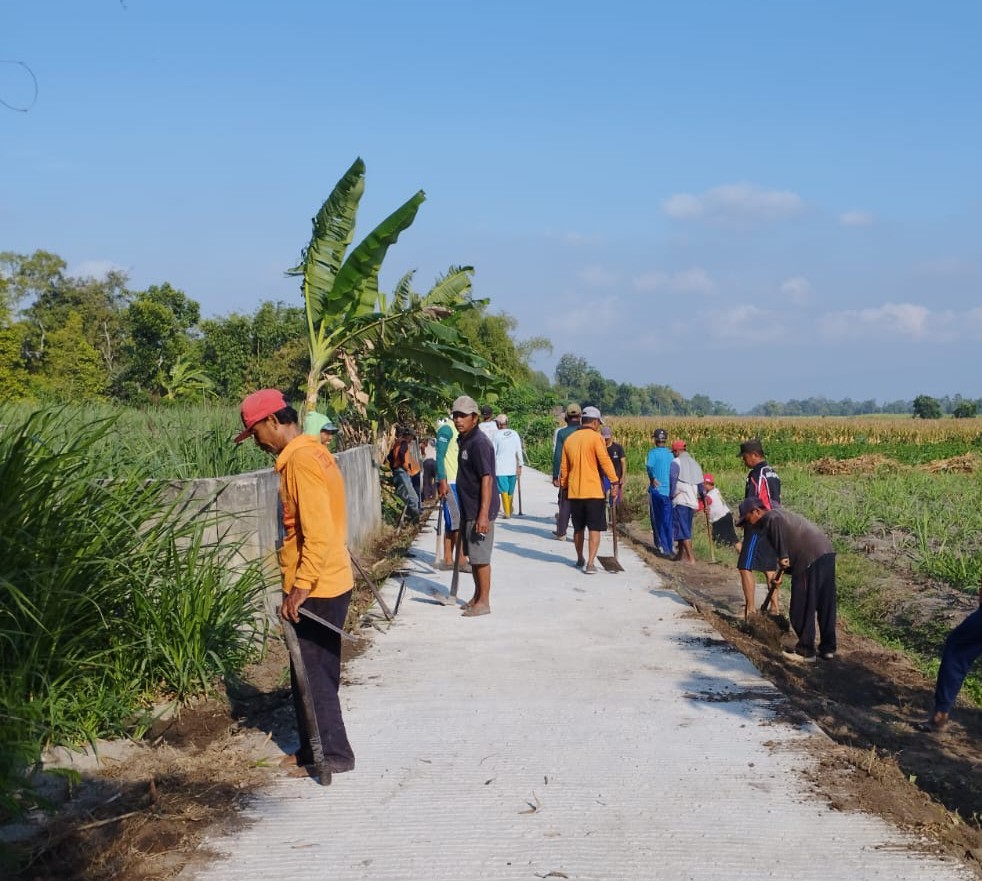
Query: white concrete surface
x=590 y=728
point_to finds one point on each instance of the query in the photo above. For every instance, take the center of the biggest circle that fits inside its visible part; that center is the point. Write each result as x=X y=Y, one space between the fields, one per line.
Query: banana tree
x=356 y=334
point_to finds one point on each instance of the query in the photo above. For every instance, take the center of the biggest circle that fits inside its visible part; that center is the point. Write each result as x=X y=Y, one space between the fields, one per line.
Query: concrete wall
x=242 y=508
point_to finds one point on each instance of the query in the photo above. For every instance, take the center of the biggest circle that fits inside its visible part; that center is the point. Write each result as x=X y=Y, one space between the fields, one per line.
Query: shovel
x=610 y=563
x=439 y=533
x=451 y=600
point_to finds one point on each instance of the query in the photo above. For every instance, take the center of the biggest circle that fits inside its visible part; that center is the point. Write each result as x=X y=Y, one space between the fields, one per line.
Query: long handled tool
x=343 y=634
x=709 y=535
x=451 y=600
x=518 y=482
x=321 y=773
x=438 y=553
x=772 y=585
x=611 y=564
x=371 y=586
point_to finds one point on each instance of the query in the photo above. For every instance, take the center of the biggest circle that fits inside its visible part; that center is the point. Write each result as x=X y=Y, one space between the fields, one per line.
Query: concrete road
x=591 y=727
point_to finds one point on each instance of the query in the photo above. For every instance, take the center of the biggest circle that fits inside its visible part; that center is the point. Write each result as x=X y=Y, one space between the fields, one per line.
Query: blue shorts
x=506 y=483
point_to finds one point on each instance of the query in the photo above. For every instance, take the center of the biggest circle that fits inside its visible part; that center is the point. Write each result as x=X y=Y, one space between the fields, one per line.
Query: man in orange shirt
x=316 y=571
x=585 y=456
x=405 y=470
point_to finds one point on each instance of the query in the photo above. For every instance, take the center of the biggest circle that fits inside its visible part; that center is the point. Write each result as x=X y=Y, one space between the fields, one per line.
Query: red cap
x=678 y=444
x=257 y=407
x=708 y=478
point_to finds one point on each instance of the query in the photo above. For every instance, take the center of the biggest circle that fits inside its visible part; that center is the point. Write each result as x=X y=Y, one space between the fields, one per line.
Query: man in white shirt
x=508 y=461
x=487 y=423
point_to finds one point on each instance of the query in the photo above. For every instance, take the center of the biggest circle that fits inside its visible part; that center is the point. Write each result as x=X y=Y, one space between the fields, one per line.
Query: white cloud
x=856 y=218
x=588 y=318
x=737 y=205
x=743 y=324
x=897 y=320
x=598 y=276
x=694 y=280
x=797 y=289
x=97 y=269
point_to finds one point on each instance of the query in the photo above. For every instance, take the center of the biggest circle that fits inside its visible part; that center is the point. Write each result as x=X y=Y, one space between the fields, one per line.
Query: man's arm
x=483 y=524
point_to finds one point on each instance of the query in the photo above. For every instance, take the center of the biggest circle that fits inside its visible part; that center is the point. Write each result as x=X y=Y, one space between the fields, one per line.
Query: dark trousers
x=660 y=514
x=961 y=648
x=723 y=531
x=813 y=595
x=562 y=520
x=320 y=672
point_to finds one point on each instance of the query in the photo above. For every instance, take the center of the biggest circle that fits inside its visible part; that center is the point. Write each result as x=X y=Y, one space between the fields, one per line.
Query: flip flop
x=471 y=612
x=929 y=726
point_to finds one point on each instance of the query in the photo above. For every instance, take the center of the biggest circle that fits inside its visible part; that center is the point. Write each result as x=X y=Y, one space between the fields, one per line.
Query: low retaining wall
x=245 y=506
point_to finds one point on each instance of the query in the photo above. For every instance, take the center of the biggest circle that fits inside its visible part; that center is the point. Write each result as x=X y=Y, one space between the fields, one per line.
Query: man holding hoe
x=317 y=576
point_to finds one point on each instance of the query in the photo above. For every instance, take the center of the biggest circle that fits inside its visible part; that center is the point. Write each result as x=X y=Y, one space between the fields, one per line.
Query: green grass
x=109 y=595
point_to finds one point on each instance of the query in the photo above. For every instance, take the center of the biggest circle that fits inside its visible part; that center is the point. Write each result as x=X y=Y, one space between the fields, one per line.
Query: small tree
x=926 y=407
x=966 y=410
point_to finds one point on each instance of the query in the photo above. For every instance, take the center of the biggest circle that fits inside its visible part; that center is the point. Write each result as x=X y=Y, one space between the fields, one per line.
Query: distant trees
x=966 y=410
x=576 y=380
x=926 y=407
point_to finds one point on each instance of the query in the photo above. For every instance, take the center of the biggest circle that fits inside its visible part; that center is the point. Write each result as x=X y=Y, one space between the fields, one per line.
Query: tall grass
x=109 y=594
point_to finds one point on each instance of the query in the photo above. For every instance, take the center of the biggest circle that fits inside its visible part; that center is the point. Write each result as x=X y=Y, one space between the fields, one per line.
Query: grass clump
x=110 y=595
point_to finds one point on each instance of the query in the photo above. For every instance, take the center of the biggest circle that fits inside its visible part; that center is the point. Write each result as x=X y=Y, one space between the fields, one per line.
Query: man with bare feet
x=585 y=458
x=317 y=576
x=961 y=649
x=477 y=489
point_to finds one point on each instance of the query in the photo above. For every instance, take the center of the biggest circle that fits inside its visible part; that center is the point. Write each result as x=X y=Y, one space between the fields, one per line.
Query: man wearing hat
x=756 y=553
x=685 y=488
x=405 y=470
x=658 y=465
x=508 y=461
x=573 y=414
x=477 y=489
x=585 y=458
x=806 y=552
x=316 y=573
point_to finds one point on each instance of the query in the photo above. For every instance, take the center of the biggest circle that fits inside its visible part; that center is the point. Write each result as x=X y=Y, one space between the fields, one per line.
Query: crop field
x=899 y=493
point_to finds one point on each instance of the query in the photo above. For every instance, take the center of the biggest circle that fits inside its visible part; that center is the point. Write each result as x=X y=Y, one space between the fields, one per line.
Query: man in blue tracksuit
x=659 y=464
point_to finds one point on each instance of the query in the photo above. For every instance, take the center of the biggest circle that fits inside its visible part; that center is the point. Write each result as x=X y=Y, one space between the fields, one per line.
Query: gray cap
x=592 y=413
x=465 y=404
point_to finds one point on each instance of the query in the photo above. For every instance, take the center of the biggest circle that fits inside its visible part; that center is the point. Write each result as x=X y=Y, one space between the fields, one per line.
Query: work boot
x=506 y=504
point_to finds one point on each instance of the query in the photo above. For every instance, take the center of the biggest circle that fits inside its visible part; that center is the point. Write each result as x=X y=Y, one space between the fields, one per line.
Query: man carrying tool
x=756 y=553
x=446 y=476
x=585 y=458
x=573 y=414
x=508 y=461
x=685 y=488
x=478 y=491
x=619 y=458
x=806 y=552
x=658 y=465
x=316 y=572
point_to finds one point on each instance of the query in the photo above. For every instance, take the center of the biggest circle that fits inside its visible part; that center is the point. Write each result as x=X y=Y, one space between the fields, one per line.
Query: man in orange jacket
x=585 y=456
x=316 y=571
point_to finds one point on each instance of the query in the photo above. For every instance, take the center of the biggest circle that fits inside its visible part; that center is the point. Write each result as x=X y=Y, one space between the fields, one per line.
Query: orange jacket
x=314 y=554
x=584 y=457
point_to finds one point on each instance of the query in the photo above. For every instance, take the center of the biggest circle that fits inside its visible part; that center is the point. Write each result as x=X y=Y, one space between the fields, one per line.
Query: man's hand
x=292 y=602
x=784 y=563
x=442 y=488
x=555 y=482
x=482 y=525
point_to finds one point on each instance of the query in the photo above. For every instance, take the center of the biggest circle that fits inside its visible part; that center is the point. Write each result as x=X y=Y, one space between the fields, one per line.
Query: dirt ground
x=142 y=817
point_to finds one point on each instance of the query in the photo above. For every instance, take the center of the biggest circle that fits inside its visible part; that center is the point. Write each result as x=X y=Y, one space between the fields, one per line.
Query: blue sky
x=753 y=201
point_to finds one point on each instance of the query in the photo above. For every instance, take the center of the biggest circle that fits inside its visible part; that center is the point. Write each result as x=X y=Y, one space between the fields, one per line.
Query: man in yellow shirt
x=585 y=456
x=316 y=571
